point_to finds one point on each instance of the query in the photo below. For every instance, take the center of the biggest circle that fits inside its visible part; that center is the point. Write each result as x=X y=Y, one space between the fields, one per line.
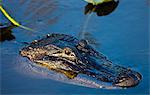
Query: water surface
x=122 y=37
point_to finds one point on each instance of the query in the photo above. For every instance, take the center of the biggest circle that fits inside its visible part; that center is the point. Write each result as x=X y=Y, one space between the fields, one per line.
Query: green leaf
x=96 y=2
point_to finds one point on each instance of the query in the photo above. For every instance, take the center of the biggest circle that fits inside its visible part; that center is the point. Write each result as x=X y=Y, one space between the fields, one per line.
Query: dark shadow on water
x=102 y=9
x=6 y=32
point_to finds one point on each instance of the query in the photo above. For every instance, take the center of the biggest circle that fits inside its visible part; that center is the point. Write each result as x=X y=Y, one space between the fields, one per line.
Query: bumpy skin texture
x=67 y=55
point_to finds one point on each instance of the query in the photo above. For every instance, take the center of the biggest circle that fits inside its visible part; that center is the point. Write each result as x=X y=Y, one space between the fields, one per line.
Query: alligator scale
x=78 y=63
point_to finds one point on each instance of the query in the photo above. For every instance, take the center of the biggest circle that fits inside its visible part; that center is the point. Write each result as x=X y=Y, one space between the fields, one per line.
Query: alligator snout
x=128 y=80
x=116 y=75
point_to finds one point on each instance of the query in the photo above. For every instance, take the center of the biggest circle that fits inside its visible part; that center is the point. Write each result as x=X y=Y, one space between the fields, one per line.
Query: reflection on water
x=39 y=11
x=6 y=32
x=101 y=9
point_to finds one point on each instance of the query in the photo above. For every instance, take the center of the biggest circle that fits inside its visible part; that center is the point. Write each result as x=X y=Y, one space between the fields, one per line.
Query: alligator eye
x=67 y=52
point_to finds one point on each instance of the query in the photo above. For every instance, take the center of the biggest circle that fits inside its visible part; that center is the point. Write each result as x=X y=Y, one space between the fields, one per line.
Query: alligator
x=78 y=62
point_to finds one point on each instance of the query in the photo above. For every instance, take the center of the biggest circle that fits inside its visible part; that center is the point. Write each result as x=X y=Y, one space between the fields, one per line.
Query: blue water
x=123 y=36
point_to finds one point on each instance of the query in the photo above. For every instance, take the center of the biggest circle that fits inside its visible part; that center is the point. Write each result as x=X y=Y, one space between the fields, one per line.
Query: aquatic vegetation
x=96 y=2
x=101 y=9
x=12 y=20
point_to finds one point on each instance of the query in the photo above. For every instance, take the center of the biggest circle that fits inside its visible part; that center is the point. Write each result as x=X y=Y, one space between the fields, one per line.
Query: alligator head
x=75 y=58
